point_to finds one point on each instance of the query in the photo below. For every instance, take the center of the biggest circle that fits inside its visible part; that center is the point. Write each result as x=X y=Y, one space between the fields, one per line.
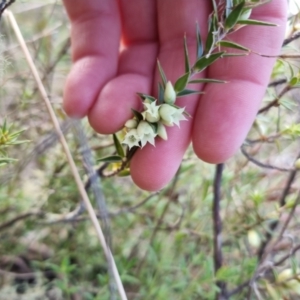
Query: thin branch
x=19 y=218
x=275 y=102
x=277 y=263
x=4 y=5
x=283 y=259
x=217 y=224
x=274 y=224
x=295 y=36
x=277 y=82
x=26 y=276
x=260 y=164
x=287 y=222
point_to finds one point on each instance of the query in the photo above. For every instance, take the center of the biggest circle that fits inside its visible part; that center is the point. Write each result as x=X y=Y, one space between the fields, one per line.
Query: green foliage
x=8 y=137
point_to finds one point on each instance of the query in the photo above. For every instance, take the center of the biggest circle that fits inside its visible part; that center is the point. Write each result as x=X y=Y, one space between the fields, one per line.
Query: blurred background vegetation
x=163 y=243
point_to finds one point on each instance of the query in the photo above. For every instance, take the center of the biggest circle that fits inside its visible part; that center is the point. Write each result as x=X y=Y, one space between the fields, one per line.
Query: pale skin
x=104 y=78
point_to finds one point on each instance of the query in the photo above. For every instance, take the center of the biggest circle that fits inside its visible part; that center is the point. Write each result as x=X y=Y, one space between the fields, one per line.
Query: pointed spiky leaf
x=110 y=159
x=181 y=82
x=210 y=40
x=137 y=114
x=124 y=173
x=207 y=80
x=199 y=42
x=234 y=16
x=188 y=92
x=235 y=54
x=186 y=56
x=118 y=146
x=233 y=45
x=255 y=22
x=161 y=92
x=145 y=96
x=162 y=74
x=204 y=61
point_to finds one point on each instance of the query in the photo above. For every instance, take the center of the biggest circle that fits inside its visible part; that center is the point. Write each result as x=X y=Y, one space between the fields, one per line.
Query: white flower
x=146 y=133
x=151 y=113
x=131 y=138
x=169 y=94
x=131 y=124
x=171 y=115
x=161 y=131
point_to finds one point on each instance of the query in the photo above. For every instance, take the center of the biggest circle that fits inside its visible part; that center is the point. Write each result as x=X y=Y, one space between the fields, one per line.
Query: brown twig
x=275 y=102
x=295 y=36
x=19 y=218
x=4 y=5
x=275 y=223
x=262 y=165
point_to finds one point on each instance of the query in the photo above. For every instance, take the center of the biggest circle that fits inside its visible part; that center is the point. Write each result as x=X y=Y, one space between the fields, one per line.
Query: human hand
x=104 y=81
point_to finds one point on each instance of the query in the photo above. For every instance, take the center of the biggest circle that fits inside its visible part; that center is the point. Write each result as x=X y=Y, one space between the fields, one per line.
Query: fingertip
x=116 y=101
x=214 y=154
x=83 y=85
x=152 y=168
x=149 y=172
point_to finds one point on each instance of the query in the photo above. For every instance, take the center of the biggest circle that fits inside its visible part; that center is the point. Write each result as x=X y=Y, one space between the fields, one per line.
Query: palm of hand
x=103 y=81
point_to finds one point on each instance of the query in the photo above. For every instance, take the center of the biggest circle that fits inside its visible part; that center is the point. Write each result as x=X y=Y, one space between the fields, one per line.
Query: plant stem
x=217 y=224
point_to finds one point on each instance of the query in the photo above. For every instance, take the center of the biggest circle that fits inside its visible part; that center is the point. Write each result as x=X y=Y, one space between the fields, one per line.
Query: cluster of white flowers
x=153 y=120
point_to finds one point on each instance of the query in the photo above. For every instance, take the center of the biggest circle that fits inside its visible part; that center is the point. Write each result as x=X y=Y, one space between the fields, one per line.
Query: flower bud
x=166 y=111
x=290 y=280
x=151 y=113
x=253 y=238
x=245 y=15
x=131 y=124
x=161 y=131
x=297 y=164
x=169 y=94
x=146 y=133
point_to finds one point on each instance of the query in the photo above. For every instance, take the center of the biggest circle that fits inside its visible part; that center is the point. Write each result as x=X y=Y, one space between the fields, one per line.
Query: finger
x=226 y=112
x=152 y=168
x=95 y=33
x=135 y=71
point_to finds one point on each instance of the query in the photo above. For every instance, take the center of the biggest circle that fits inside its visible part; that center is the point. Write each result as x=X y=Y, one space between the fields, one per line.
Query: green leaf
x=232 y=45
x=161 y=92
x=118 y=146
x=137 y=114
x=145 y=96
x=199 y=42
x=215 y=6
x=110 y=159
x=162 y=74
x=181 y=82
x=124 y=173
x=234 y=16
x=186 y=56
x=256 y=22
x=227 y=274
x=235 y=54
x=204 y=61
x=7 y=160
x=4 y=126
x=188 y=92
x=210 y=40
x=207 y=80
x=294 y=81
